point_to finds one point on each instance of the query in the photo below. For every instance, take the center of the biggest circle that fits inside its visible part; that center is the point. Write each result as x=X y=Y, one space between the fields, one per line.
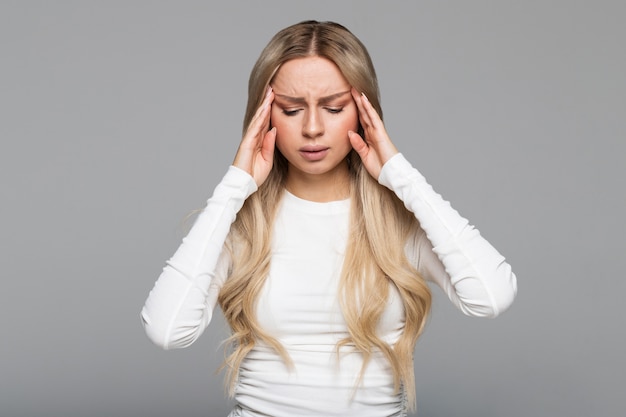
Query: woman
x=318 y=244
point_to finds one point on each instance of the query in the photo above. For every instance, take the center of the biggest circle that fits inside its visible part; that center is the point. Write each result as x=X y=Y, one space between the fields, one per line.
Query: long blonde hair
x=379 y=226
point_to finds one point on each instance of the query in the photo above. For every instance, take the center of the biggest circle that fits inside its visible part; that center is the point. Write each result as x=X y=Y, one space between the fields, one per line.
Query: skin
x=314 y=113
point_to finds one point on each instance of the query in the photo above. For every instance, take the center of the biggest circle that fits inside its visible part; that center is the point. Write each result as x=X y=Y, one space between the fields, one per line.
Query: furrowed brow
x=325 y=100
x=301 y=100
x=292 y=100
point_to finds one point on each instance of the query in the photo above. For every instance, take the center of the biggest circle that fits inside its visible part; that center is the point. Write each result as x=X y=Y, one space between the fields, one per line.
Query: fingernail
x=269 y=90
x=364 y=96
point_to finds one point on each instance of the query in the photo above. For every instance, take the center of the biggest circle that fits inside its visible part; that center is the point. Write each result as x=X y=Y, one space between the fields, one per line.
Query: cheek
x=280 y=121
x=355 y=122
x=351 y=121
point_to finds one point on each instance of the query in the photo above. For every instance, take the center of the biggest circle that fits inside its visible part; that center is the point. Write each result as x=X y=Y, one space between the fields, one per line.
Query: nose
x=313 y=125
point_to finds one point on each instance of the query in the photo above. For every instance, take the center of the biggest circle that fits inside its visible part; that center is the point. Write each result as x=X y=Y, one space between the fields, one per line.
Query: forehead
x=309 y=76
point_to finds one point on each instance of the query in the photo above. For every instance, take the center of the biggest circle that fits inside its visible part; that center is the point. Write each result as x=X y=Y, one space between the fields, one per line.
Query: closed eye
x=331 y=110
x=290 y=112
x=334 y=110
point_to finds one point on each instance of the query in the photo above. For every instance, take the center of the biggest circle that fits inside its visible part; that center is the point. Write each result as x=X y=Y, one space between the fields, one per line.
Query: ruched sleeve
x=448 y=250
x=180 y=305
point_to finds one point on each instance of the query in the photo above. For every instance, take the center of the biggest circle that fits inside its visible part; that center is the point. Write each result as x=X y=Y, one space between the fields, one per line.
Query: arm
x=451 y=252
x=180 y=305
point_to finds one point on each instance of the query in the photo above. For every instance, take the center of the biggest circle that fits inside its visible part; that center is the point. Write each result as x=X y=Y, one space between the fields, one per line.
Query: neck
x=322 y=188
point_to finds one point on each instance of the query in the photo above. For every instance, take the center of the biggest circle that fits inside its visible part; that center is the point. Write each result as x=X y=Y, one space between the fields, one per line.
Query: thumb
x=358 y=144
x=267 y=149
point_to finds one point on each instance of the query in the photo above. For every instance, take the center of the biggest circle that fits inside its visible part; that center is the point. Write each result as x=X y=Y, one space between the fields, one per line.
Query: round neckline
x=316 y=207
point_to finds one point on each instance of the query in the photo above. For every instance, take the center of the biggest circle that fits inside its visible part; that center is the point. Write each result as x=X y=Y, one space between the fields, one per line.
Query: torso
x=298 y=306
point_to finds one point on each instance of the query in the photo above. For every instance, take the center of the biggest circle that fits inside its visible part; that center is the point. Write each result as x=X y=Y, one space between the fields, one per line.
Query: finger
x=356 y=96
x=371 y=114
x=262 y=113
x=252 y=141
x=358 y=144
x=364 y=107
x=267 y=149
x=268 y=110
x=358 y=99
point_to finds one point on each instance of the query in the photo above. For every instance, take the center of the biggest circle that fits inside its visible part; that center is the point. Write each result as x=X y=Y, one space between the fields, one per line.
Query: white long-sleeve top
x=298 y=304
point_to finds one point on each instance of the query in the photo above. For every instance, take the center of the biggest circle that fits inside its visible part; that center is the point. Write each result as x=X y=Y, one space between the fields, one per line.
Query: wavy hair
x=379 y=226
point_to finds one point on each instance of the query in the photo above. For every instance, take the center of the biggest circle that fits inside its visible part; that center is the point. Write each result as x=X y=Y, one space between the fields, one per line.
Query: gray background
x=119 y=118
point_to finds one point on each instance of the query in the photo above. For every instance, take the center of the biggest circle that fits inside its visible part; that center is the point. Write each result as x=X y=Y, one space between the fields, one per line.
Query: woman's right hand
x=256 y=150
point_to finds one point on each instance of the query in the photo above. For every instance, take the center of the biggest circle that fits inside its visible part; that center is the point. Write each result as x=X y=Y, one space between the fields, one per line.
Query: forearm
x=180 y=305
x=477 y=278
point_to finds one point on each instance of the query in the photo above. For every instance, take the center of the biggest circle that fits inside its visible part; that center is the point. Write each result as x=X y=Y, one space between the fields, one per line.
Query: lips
x=313 y=152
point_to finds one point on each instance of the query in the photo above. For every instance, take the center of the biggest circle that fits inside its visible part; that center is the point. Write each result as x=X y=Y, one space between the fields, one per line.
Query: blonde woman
x=318 y=244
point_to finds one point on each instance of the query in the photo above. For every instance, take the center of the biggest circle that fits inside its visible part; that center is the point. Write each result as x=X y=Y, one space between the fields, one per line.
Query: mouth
x=313 y=152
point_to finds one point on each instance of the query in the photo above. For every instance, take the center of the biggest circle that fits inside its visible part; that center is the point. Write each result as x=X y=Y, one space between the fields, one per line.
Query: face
x=312 y=112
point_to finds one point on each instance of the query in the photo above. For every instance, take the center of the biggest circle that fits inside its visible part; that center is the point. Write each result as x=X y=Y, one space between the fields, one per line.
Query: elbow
x=175 y=313
x=500 y=299
x=157 y=334
x=505 y=298
x=499 y=306
x=492 y=301
x=164 y=336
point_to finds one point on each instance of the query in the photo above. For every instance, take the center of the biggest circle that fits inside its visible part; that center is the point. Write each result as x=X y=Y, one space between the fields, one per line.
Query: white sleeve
x=451 y=252
x=181 y=303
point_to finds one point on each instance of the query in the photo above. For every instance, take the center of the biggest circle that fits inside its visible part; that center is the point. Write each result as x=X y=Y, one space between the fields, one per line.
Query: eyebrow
x=322 y=100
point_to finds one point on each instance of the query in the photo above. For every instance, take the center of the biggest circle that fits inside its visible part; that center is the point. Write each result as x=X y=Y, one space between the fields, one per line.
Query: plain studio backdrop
x=118 y=118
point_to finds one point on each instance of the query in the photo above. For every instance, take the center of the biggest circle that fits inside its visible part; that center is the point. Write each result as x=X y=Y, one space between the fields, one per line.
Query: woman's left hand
x=376 y=147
